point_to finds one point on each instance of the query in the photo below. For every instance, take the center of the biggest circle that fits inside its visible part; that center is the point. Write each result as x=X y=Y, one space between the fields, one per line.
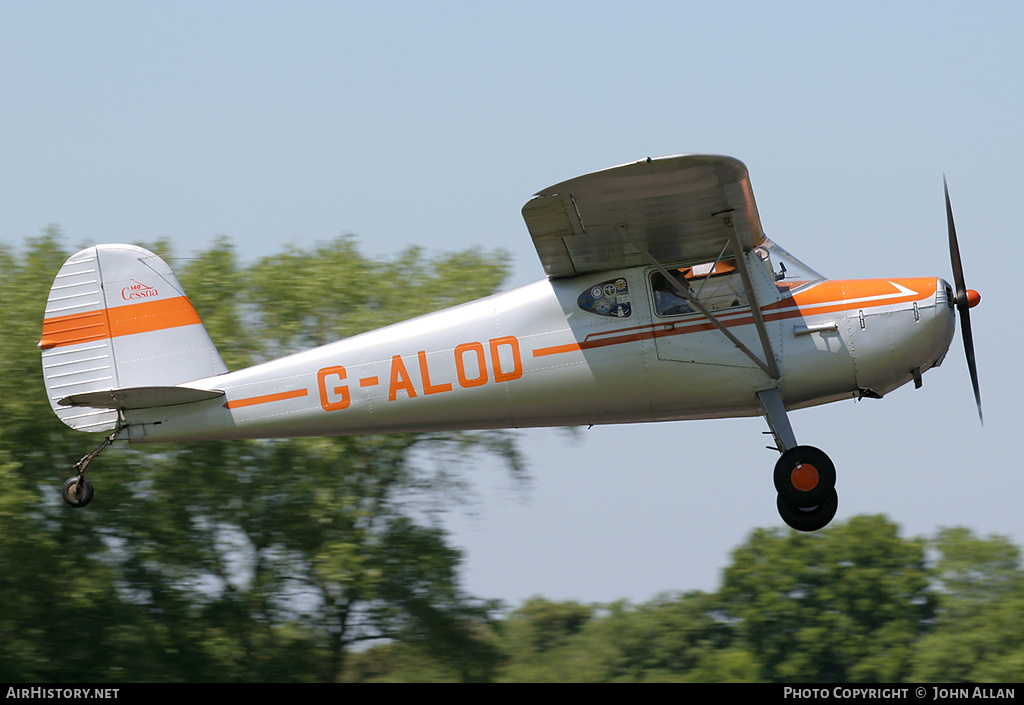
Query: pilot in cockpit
x=668 y=301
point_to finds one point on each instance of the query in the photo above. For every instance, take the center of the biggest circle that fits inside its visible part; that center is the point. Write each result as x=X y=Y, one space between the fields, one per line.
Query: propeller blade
x=954 y=249
x=962 y=305
x=965 y=320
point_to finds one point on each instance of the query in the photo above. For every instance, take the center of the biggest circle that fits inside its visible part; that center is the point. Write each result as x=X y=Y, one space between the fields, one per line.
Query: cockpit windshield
x=788 y=272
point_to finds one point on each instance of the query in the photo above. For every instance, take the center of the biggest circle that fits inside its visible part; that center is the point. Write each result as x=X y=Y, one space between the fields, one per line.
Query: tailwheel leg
x=77 y=490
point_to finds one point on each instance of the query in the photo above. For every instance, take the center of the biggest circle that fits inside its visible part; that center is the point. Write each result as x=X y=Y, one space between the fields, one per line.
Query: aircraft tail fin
x=117 y=322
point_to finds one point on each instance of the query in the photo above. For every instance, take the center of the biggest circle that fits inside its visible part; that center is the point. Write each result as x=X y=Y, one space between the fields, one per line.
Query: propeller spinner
x=966 y=299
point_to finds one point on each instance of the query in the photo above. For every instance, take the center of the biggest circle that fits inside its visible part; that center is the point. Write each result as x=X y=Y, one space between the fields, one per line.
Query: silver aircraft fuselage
x=545 y=355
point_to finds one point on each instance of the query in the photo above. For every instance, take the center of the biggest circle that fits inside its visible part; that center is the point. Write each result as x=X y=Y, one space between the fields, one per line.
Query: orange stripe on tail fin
x=117 y=318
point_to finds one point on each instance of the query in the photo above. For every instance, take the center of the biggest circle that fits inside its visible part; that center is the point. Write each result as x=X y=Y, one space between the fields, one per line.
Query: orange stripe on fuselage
x=117 y=321
x=555 y=349
x=850 y=294
x=252 y=401
x=823 y=298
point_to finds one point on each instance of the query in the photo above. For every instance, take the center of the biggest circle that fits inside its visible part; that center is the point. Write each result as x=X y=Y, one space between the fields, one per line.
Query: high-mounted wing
x=676 y=208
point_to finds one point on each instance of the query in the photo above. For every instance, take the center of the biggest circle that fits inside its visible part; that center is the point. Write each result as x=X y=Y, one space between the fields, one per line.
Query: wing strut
x=770 y=367
x=755 y=305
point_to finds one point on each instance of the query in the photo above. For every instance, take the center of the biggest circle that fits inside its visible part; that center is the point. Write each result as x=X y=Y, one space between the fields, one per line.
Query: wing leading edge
x=676 y=208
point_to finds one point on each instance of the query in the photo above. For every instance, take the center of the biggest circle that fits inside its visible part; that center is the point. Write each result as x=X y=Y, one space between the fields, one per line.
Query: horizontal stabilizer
x=139 y=397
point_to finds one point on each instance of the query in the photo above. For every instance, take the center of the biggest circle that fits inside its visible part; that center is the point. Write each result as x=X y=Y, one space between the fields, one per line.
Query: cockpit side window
x=716 y=285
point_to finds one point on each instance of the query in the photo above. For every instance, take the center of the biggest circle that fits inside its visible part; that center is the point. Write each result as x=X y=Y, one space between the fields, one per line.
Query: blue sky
x=431 y=123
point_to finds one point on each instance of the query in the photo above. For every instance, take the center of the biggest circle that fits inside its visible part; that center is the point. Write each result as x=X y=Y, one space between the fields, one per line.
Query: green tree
x=541 y=643
x=60 y=597
x=977 y=636
x=670 y=638
x=845 y=604
x=683 y=638
x=265 y=560
x=855 y=603
x=972 y=572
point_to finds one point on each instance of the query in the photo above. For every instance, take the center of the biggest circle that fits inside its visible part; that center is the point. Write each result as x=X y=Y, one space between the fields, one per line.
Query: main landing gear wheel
x=77 y=491
x=805 y=479
x=809 y=518
x=804 y=475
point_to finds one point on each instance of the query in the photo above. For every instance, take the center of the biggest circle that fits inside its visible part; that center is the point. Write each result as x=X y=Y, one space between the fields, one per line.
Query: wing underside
x=677 y=208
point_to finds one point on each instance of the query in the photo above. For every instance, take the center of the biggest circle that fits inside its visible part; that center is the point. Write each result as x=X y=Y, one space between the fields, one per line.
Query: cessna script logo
x=138 y=291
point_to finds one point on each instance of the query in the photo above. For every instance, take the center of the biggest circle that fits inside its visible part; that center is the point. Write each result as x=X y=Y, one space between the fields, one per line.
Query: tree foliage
x=267 y=560
x=853 y=603
x=980 y=589
x=840 y=605
x=323 y=559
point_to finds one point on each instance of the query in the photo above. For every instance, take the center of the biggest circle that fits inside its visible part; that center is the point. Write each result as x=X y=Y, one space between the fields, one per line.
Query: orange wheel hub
x=804 y=477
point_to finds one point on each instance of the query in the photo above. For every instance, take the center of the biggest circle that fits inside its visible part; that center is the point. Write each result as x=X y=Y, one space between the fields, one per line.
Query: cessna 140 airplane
x=663 y=301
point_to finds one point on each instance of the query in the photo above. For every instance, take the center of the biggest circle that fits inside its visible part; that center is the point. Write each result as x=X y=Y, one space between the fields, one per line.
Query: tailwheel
x=809 y=518
x=77 y=491
x=804 y=476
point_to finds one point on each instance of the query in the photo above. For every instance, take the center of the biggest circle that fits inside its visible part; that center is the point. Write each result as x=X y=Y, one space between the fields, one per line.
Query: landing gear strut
x=805 y=477
x=77 y=490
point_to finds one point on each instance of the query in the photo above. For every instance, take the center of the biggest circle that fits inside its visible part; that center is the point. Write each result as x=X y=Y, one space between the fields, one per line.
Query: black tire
x=75 y=496
x=810 y=519
x=823 y=476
